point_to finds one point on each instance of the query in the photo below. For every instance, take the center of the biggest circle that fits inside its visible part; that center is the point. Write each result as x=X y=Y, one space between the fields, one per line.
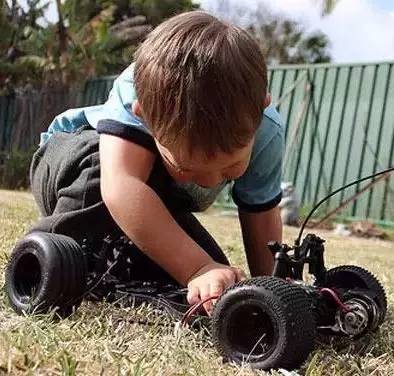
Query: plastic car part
x=355 y=278
x=45 y=272
x=362 y=315
x=266 y=322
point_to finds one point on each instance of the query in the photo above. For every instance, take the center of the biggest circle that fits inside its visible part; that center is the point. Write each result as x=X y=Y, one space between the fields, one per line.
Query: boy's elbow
x=109 y=194
x=115 y=193
x=120 y=205
x=114 y=200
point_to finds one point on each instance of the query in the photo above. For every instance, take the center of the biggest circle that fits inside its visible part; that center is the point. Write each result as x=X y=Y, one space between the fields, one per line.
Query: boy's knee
x=66 y=165
x=40 y=182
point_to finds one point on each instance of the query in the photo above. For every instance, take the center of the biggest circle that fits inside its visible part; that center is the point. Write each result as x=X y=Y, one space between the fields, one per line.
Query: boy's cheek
x=236 y=172
x=179 y=177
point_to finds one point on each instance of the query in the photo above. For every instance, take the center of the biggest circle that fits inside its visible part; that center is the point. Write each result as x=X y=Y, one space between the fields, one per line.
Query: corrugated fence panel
x=24 y=116
x=7 y=105
x=339 y=127
x=96 y=91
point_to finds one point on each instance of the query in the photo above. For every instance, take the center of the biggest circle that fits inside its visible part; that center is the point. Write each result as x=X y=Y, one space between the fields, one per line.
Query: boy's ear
x=136 y=108
x=267 y=100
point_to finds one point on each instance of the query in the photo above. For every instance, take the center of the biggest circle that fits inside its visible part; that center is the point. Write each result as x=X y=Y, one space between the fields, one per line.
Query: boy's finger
x=193 y=295
x=240 y=274
x=205 y=294
x=208 y=306
x=216 y=290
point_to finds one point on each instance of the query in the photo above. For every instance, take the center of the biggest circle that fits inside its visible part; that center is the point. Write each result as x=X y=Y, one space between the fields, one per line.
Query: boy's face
x=202 y=170
x=197 y=167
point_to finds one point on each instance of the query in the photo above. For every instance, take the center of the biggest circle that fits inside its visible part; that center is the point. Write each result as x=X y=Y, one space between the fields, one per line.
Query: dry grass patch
x=100 y=339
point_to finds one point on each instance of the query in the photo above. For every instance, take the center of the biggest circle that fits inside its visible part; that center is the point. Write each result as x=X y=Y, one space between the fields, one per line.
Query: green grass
x=100 y=339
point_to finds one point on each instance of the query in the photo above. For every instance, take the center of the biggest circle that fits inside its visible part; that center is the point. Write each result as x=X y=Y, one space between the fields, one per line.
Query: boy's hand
x=211 y=280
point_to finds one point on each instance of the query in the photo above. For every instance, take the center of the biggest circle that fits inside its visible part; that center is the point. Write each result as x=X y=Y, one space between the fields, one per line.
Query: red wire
x=332 y=293
x=194 y=308
x=197 y=306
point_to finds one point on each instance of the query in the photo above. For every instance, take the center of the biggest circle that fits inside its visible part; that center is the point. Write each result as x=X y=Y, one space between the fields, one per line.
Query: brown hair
x=201 y=80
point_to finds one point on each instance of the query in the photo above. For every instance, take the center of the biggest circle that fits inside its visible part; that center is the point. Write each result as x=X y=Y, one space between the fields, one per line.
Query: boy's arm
x=258 y=192
x=139 y=211
x=257 y=230
x=146 y=221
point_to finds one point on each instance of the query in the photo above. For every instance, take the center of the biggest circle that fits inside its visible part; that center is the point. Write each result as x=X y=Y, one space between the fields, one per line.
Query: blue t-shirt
x=257 y=190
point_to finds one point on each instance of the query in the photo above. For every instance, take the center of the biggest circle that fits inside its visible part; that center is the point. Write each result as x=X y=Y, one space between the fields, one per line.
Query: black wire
x=158 y=302
x=297 y=242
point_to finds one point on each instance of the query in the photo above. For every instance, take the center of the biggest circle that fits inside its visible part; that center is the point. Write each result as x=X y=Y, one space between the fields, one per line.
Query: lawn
x=102 y=340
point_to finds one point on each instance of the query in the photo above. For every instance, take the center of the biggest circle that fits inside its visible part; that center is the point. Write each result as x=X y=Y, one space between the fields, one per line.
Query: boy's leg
x=65 y=179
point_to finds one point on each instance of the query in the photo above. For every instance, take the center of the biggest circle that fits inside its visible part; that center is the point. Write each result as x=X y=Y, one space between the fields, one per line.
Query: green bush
x=14 y=169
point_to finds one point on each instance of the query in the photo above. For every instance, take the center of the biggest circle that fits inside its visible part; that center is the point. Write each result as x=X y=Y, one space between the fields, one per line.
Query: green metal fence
x=97 y=90
x=339 y=127
x=24 y=115
x=7 y=105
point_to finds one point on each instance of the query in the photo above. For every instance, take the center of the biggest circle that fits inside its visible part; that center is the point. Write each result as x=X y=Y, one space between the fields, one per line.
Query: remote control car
x=268 y=322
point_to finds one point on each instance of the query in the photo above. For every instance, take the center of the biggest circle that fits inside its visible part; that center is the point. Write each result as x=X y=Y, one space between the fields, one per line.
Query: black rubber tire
x=45 y=272
x=284 y=311
x=351 y=276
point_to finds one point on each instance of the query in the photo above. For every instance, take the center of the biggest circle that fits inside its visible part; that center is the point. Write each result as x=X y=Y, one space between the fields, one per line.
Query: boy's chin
x=205 y=186
x=191 y=182
x=212 y=186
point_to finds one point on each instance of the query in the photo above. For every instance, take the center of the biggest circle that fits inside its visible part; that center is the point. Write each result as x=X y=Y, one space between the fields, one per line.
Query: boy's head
x=201 y=86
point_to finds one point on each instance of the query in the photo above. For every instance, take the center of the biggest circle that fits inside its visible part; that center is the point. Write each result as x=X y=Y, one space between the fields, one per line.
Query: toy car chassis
x=268 y=322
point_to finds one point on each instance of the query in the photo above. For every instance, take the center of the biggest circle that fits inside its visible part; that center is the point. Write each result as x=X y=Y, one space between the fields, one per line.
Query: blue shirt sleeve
x=117 y=117
x=115 y=114
x=118 y=107
x=68 y=121
x=259 y=189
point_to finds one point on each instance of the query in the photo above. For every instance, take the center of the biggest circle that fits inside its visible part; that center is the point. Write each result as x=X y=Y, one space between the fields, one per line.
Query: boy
x=190 y=115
